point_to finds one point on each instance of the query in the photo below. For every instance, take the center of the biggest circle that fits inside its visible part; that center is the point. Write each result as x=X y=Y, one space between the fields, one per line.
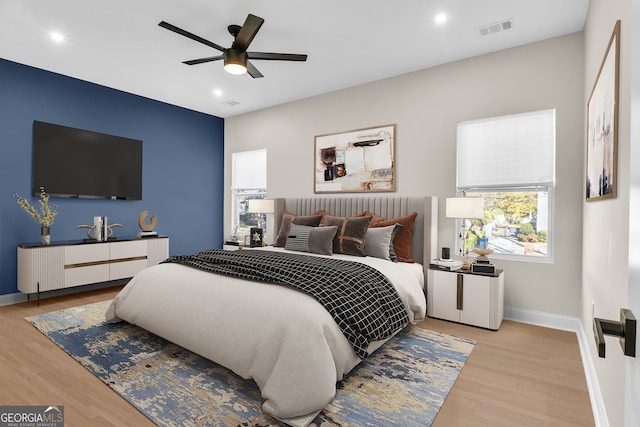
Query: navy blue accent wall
x=183 y=158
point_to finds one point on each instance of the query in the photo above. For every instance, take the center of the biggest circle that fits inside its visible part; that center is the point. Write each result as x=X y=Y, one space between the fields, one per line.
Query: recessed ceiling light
x=56 y=36
x=440 y=18
x=217 y=92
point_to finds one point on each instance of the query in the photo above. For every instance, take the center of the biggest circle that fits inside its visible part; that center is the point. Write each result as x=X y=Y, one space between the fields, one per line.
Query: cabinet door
x=157 y=250
x=40 y=269
x=445 y=294
x=476 y=300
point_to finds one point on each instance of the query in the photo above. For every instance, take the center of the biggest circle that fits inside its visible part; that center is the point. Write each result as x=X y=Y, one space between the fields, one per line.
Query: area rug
x=403 y=383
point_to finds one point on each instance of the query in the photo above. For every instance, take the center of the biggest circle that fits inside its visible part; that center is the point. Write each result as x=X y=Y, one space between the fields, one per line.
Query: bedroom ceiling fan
x=236 y=58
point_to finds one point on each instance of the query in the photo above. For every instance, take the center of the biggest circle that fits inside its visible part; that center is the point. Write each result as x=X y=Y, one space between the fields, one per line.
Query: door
x=632 y=364
x=476 y=300
x=445 y=292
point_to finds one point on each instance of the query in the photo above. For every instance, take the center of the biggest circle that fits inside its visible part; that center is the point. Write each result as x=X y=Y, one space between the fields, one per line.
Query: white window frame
x=525 y=145
x=248 y=181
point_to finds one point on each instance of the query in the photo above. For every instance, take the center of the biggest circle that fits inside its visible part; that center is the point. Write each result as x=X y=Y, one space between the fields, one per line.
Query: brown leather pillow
x=349 y=239
x=402 y=241
x=288 y=219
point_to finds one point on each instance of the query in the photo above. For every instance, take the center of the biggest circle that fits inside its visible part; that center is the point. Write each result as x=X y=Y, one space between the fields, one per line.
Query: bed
x=282 y=338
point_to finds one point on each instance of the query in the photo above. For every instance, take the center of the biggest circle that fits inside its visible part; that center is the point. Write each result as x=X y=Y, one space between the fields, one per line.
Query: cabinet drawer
x=84 y=275
x=80 y=254
x=121 y=250
x=122 y=270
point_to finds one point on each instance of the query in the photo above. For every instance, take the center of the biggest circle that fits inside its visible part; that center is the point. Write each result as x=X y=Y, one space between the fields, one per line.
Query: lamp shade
x=465 y=207
x=233 y=68
x=264 y=206
x=235 y=62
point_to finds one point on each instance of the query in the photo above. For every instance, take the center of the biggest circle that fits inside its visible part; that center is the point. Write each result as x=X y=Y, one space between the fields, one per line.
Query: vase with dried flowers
x=43 y=216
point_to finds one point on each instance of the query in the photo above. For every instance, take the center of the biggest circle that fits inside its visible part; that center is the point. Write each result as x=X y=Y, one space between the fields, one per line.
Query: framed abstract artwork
x=602 y=126
x=361 y=160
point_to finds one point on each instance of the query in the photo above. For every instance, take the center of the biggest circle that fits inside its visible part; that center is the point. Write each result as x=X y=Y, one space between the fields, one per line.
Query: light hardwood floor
x=521 y=375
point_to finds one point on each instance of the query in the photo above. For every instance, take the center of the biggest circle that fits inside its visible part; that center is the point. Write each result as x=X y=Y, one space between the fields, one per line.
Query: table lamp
x=464 y=208
x=263 y=207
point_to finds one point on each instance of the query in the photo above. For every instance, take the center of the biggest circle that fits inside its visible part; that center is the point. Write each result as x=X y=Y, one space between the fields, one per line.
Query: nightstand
x=232 y=247
x=465 y=297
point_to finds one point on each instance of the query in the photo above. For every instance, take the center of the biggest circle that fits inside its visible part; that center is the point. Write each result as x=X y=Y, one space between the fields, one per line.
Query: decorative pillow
x=351 y=233
x=374 y=217
x=287 y=220
x=378 y=242
x=317 y=240
x=320 y=212
x=402 y=241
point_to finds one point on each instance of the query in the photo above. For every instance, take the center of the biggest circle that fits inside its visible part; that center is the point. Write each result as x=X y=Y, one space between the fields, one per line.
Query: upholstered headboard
x=425 y=233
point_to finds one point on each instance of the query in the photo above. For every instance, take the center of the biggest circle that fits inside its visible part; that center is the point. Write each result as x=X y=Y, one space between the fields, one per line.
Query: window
x=248 y=181
x=510 y=161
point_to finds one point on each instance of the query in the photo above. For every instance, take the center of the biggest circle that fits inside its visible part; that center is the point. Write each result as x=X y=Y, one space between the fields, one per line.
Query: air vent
x=496 y=27
x=231 y=103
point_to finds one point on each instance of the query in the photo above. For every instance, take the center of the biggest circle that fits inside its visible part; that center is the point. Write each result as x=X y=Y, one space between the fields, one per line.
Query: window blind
x=508 y=151
x=249 y=169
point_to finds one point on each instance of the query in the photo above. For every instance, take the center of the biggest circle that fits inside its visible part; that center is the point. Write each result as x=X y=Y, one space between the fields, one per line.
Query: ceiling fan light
x=234 y=68
x=235 y=62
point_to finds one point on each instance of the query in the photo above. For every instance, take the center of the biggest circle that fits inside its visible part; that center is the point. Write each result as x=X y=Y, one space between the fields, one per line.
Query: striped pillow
x=317 y=240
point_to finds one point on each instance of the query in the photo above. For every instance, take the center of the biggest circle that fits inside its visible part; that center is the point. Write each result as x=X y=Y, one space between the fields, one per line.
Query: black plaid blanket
x=360 y=298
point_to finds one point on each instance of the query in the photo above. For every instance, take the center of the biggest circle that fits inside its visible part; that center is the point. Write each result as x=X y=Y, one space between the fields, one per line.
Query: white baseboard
x=572 y=324
x=9 y=299
x=19 y=297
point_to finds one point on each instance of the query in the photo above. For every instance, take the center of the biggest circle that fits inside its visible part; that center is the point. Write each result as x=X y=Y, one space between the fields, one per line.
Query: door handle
x=625 y=329
x=460 y=293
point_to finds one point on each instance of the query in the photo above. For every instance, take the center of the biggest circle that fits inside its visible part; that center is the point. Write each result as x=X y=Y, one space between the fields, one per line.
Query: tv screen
x=69 y=162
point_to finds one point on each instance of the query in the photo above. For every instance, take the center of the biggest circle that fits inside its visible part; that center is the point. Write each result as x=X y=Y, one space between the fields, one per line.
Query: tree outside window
x=514 y=223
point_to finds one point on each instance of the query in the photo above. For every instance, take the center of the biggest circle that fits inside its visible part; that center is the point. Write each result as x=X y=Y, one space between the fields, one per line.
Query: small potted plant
x=43 y=216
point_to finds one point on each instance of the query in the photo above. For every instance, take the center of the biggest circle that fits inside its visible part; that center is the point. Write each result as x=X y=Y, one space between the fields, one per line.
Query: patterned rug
x=403 y=383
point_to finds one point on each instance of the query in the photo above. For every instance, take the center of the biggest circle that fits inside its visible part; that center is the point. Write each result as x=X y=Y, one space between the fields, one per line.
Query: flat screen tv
x=69 y=162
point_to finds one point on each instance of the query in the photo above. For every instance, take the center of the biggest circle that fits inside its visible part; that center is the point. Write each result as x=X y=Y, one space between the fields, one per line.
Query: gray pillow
x=378 y=242
x=287 y=220
x=317 y=240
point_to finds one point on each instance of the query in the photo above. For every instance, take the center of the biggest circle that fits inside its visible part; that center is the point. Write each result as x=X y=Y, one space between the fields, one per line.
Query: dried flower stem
x=45 y=215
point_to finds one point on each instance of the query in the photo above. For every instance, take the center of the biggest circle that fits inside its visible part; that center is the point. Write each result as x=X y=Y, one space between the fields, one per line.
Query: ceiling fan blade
x=203 y=60
x=248 y=31
x=253 y=71
x=192 y=36
x=277 y=56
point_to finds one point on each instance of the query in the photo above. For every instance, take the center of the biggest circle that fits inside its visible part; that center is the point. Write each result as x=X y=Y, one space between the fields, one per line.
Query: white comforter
x=280 y=337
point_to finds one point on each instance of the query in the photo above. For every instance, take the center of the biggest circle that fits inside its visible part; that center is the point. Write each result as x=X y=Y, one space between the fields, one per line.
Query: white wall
x=426 y=106
x=606 y=223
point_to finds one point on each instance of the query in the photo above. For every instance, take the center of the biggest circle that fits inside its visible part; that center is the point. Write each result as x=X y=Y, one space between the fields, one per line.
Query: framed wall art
x=361 y=160
x=602 y=126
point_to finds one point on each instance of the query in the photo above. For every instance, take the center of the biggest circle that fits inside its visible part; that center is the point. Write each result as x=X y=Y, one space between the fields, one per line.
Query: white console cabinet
x=76 y=263
x=468 y=298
